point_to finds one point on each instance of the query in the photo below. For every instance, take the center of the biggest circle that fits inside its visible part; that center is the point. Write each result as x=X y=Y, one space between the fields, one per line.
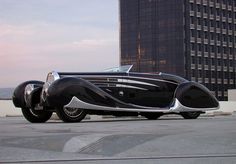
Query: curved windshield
x=124 y=68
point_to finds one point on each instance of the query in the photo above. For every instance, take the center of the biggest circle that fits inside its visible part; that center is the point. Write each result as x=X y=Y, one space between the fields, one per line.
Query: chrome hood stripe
x=113 y=77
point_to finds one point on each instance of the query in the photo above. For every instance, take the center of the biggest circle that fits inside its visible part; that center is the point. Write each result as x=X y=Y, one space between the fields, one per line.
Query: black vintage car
x=116 y=91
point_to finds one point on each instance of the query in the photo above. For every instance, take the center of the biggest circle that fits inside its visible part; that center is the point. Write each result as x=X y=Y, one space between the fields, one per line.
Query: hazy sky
x=38 y=36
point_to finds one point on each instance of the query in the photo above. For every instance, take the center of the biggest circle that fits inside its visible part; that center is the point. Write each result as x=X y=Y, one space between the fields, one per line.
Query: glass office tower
x=195 y=39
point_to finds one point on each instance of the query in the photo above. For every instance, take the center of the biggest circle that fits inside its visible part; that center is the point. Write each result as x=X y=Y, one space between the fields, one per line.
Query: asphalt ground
x=122 y=140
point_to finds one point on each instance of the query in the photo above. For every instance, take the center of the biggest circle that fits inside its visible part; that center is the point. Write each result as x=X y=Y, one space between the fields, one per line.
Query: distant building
x=195 y=39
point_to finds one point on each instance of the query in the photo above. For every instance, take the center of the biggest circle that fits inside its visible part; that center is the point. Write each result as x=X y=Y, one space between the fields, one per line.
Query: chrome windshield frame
x=124 y=68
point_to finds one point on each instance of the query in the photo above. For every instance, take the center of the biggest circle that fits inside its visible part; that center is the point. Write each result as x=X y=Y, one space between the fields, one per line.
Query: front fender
x=63 y=90
x=195 y=95
x=18 y=96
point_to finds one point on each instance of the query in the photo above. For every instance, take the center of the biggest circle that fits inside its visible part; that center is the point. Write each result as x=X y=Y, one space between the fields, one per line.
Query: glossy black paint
x=34 y=97
x=192 y=94
x=119 y=89
x=18 y=94
x=156 y=90
x=63 y=90
x=129 y=90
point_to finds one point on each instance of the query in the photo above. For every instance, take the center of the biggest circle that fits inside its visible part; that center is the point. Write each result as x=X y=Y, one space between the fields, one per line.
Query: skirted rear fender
x=195 y=95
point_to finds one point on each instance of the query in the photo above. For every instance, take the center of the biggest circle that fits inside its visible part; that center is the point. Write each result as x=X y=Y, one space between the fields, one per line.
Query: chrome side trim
x=145 y=78
x=129 y=86
x=125 y=83
x=136 y=82
x=77 y=103
x=176 y=108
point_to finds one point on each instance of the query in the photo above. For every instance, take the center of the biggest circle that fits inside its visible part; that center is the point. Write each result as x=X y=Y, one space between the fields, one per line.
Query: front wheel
x=70 y=114
x=190 y=115
x=36 y=116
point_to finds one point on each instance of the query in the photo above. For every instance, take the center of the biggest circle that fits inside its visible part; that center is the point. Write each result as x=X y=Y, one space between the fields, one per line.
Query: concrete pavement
x=123 y=140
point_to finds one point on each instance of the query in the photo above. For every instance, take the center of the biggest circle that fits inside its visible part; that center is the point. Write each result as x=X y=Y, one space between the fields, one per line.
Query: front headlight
x=28 y=90
x=51 y=77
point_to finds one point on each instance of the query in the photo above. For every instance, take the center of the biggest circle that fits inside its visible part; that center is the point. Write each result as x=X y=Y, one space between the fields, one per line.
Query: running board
x=176 y=108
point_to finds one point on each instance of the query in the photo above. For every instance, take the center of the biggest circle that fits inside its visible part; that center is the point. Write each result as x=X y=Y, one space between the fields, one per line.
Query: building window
x=206 y=61
x=211 y=24
x=212 y=49
x=230 y=27
x=231 y=75
x=218 y=50
x=211 y=36
x=224 y=2
x=199 y=47
x=224 y=13
x=193 y=60
x=199 y=34
x=205 y=22
x=205 y=35
x=225 y=62
x=198 y=8
x=217 y=24
x=192 y=20
x=212 y=61
x=199 y=21
x=224 y=50
x=211 y=11
x=192 y=6
x=213 y=74
x=200 y=60
x=192 y=33
x=193 y=73
x=205 y=48
x=199 y=73
x=217 y=12
x=229 y=15
x=231 y=51
x=218 y=62
x=218 y=37
x=224 y=26
x=205 y=10
x=192 y=47
x=224 y=38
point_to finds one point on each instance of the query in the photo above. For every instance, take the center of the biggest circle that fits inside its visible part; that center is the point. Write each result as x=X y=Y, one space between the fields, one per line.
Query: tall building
x=195 y=39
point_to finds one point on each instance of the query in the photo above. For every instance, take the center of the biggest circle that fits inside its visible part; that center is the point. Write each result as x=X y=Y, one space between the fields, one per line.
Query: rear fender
x=195 y=95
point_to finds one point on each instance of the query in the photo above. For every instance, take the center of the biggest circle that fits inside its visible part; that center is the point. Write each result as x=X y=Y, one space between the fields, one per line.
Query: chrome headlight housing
x=28 y=90
x=51 y=77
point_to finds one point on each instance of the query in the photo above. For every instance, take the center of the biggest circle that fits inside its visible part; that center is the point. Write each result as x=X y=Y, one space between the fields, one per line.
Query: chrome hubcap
x=72 y=112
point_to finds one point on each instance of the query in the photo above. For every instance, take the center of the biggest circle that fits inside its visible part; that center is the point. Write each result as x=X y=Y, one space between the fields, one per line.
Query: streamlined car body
x=116 y=91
